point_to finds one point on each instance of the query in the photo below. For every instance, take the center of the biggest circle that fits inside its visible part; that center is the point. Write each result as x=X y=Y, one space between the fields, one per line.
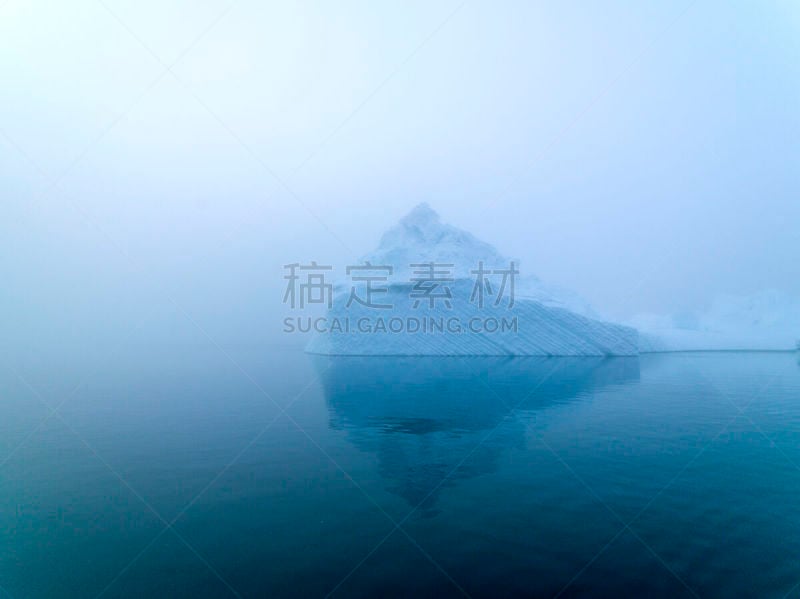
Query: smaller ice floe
x=768 y=320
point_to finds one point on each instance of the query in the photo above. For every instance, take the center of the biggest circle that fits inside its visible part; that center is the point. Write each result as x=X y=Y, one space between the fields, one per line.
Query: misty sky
x=646 y=155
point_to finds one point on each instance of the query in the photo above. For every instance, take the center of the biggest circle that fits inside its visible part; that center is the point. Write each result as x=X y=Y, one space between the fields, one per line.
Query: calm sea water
x=274 y=473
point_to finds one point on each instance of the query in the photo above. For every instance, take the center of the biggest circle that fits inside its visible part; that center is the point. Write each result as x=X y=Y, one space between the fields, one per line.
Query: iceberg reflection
x=428 y=419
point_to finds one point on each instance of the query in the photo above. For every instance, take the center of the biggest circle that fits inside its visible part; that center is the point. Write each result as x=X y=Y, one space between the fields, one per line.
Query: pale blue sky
x=643 y=154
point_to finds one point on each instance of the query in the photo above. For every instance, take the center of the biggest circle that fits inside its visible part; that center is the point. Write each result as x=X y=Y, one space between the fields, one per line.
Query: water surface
x=282 y=474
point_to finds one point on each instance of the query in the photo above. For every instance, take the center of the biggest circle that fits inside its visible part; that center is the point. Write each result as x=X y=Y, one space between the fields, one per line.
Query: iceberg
x=430 y=288
x=765 y=321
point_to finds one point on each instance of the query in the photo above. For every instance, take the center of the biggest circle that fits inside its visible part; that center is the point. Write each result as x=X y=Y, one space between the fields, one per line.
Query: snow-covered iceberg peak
x=422 y=217
x=421 y=237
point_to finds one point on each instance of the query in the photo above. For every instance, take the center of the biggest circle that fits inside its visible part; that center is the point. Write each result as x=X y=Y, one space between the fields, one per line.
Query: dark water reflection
x=434 y=421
